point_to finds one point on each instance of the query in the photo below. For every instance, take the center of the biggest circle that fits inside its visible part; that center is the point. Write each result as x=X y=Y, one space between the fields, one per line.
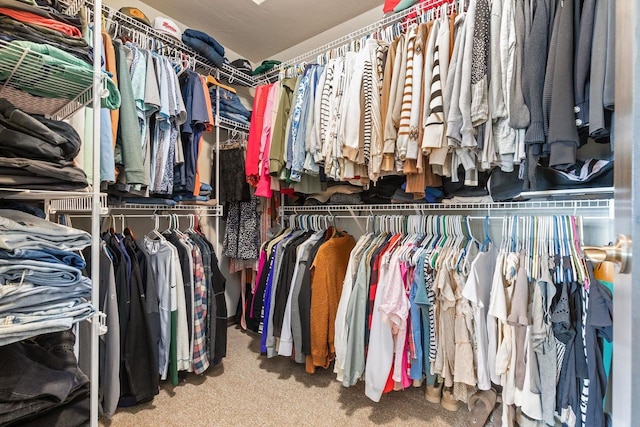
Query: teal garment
x=607 y=347
x=72 y=75
x=128 y=152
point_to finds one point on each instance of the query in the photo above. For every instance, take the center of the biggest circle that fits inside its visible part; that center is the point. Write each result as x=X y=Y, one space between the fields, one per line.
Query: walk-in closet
x=278 y=212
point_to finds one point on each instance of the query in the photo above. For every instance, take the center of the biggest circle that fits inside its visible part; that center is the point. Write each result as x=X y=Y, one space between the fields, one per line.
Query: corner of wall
x=330 y=35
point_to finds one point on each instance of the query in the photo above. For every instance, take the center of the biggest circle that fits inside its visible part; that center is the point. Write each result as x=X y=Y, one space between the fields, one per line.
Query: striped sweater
x=404 y=130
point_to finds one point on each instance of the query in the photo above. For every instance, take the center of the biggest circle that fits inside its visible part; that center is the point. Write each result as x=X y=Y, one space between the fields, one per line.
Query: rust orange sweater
x=328 y=271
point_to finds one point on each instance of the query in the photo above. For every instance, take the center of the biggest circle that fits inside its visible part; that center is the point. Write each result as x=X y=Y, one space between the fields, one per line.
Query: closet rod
x=146 y=32
x=148 y=216
x=475 y=218
x=600 y=204
x=384 y=22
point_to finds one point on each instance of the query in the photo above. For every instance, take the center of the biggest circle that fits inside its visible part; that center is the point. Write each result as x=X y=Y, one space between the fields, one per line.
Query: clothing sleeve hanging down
x=329 y=268
x=381 y=346
x=563 y=134
x=253 y=144
x=127 y=151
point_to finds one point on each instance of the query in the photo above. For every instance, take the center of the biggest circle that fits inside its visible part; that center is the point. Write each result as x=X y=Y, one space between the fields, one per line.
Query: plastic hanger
x=155 y=234
x=486 y=242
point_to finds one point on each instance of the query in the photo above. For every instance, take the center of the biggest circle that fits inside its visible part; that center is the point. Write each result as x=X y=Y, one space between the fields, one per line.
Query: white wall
x=367 y=18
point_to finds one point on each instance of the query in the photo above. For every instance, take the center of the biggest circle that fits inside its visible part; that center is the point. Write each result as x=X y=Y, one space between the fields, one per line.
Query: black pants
x=41 y=384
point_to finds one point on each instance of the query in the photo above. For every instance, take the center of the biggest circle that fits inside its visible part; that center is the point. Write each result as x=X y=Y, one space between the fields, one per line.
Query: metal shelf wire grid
x=602 y=206
x=231 y=125
x=313 y=55
x=170 y=46
x=78 y=204
x=22 y=69
x=212 y=210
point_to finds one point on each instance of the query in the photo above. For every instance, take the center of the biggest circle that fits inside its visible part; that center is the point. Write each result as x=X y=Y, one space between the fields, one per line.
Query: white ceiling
x=258 y=32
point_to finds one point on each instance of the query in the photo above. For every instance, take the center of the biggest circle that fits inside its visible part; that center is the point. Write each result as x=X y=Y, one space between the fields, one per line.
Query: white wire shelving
x=33 y=84
x=77 y=204
x=168 y=45
x=313 y=55
x=597 y=208
x=209 y=210
x=231 y=125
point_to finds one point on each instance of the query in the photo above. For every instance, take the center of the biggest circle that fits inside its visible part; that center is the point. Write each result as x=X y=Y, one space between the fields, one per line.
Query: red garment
x=32 y=18
x=252 y=161
x=389 y=5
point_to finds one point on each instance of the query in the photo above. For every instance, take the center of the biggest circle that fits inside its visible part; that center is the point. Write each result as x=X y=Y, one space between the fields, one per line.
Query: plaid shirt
x=200 y=361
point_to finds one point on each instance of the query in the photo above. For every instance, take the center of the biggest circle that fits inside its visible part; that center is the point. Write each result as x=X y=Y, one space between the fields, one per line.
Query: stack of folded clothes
x=205 y=45
x=44 y=25
x=37 y=153
x=60 y=65
x=230 y=105
x=41 y=384
x=42 y=289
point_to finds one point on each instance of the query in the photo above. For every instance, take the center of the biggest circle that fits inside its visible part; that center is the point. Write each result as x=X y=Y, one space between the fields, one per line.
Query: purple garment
x=266 y=306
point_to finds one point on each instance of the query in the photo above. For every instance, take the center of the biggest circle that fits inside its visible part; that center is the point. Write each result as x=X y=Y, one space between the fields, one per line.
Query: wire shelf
x=550 y=207
x=212 y=210
x=61 y=94
x=231 y=125
x=78 y=204
x=272 y=74
x=148 y=37
x=27 y=194
x=72 y=7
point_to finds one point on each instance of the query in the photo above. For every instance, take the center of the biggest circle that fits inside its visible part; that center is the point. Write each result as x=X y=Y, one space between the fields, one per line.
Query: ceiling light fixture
x=258 y=2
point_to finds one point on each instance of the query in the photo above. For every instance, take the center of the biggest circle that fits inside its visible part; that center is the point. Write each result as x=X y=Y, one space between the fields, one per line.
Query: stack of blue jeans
x=42 y=289
x=230 y=105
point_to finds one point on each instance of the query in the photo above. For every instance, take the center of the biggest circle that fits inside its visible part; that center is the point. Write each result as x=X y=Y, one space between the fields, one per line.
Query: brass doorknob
x=619 y=253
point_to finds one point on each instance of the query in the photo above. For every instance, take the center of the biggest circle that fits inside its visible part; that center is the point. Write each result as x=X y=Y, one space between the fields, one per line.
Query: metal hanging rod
x=148 y=216
x=214 y=210
x=364 y=31
x=160 y=39
x=541 y=207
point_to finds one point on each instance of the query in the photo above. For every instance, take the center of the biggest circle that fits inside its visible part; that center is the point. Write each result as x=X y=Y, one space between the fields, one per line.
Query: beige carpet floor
x=250 y=390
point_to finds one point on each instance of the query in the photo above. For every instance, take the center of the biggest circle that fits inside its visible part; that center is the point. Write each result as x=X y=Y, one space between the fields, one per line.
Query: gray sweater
x=583 y=61
x=534 y=72
x=518 y=111
x=563 y=134
x=597 y=120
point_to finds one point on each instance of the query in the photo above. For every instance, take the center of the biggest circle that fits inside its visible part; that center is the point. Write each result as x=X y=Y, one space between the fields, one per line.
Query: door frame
x=626 y=331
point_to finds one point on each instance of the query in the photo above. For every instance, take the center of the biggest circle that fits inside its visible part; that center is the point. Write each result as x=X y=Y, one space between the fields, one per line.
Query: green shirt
x=50 y=72
x=276 y=153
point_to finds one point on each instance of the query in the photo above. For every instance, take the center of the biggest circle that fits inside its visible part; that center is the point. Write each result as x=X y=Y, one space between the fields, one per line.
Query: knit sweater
x=480 y=64
x=415 y=117
x=583 y=61
x=563 y=134
x=534 y=71
x=404 y=130
x=518 y=111
x=328 y=272
x=392 y=121
x=433 y=120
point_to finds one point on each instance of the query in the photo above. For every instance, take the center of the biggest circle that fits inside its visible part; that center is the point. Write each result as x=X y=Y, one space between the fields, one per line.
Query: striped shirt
x=404 y=130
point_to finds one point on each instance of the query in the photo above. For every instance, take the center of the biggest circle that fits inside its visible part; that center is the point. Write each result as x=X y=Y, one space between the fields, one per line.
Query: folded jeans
x=19 y=230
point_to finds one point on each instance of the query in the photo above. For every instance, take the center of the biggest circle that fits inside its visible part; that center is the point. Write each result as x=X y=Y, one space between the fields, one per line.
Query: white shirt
x=478 y=291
